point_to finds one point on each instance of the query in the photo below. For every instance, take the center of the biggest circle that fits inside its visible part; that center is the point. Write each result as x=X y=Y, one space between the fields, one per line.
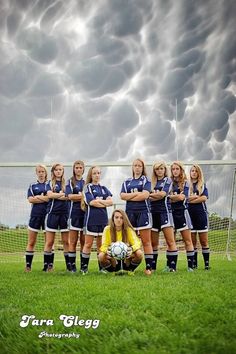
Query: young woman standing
x=74 y=189
x=136 y=191
x=162 y=215
x=198 y=213
x=57 y=216
x=37 y=196
x=96 y=200
x=179 y=203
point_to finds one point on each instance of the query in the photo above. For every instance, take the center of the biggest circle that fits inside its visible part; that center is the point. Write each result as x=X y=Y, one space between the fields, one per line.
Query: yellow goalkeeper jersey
x=133 y=239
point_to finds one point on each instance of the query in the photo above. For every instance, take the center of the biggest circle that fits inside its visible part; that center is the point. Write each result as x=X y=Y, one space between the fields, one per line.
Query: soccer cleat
x=190 y=269
x=73 y=270
x=68 y=267
x=27 y=269
x=130 y=273
x=207 y=268
x=45 y=267
x=172 y=270
x=50 y=268
x=84 y=270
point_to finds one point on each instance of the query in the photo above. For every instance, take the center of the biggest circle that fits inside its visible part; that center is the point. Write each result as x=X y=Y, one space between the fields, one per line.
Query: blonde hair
x=182 y=177
x=200 y=179
x=73 y=178
x=88 y=180
x=144 y=171
x=45 y=169
x=155 y=166
x=53 y=178
x=126 y=225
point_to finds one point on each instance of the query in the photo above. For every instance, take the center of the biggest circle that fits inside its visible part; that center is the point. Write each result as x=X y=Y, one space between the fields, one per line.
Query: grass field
x=166 y=313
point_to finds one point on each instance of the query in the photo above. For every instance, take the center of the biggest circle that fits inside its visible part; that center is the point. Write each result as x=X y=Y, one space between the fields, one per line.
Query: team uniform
x=37 y=215
x=180 y=212
x=161 y=209
x=181 y=216
x=198 y=212
x=139 y=212
x=95 y=218
x=199 y=217
x=56 y=220
x=57 y=211
x=38 y=210
x=162 y=217
x=76 y=214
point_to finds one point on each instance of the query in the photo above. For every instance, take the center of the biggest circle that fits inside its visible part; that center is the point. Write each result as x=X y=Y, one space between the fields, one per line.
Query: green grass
x=166 y=313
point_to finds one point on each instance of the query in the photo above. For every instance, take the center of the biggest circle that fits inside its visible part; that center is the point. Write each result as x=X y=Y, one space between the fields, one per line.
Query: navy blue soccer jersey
x=35 y=189
x=56 y=206
x=132 y=185
x=198 y=207
x=94 y=215
x=162 y=205
x=75 y=206
x=176 y=190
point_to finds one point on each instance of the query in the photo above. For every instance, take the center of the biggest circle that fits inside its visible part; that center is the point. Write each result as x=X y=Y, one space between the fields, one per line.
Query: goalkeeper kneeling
x=114 y=256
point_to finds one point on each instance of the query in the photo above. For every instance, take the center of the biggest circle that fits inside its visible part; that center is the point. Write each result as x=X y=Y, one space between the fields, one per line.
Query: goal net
x=15 y=208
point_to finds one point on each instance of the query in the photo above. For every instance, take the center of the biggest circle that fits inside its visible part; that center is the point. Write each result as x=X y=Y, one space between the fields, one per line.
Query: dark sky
x=99 y=80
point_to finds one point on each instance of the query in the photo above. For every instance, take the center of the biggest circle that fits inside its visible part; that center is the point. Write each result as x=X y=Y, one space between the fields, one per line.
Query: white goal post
x=15 y=179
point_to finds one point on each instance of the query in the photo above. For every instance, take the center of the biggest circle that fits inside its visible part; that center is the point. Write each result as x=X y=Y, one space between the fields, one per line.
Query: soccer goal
x=15 y=209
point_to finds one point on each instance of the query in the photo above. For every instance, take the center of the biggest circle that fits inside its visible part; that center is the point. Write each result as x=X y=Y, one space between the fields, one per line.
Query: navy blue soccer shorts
x=76 y=222
x=94 y=230
x=37 y=223
x=199 y=221
x=182 y=220
x=55 y=222
x=140 y=220
x=162 y=220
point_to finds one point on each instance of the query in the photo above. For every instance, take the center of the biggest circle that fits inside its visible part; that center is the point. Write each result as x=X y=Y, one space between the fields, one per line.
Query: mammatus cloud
x=107 y=80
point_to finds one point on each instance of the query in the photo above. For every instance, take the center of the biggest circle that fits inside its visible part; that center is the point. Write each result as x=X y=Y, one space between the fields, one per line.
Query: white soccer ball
x=119 y=250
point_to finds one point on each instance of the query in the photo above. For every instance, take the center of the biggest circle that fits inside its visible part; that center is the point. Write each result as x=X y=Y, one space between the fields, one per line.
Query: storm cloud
x=108 y=80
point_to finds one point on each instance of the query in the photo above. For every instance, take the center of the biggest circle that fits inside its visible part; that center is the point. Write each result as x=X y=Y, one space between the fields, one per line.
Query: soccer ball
x=119 y=250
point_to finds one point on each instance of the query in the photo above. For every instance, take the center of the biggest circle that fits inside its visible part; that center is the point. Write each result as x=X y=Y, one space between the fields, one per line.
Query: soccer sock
x=154 y=261
x=190 y=257
x=85 y=261
x=47 y=257
x=109 y=268
x=206 y=256
x=148 y=260
x=67 y=260
x=195 y=265
x=172 y=257
x=133 y=266
x=29 y=258
x=72 y=259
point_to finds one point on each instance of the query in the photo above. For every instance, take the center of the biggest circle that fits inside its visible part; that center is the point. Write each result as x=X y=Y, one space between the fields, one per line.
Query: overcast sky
x=99 y=80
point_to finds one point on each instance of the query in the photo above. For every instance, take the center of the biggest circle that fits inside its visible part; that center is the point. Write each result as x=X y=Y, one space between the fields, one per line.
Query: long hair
x=200 y=179
x=126 y=225
x=155 y=166
x=45 y=169
x=144 y=171
x=182 y=177
x=73 y=178
x=87 y=181
x=53 y=178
